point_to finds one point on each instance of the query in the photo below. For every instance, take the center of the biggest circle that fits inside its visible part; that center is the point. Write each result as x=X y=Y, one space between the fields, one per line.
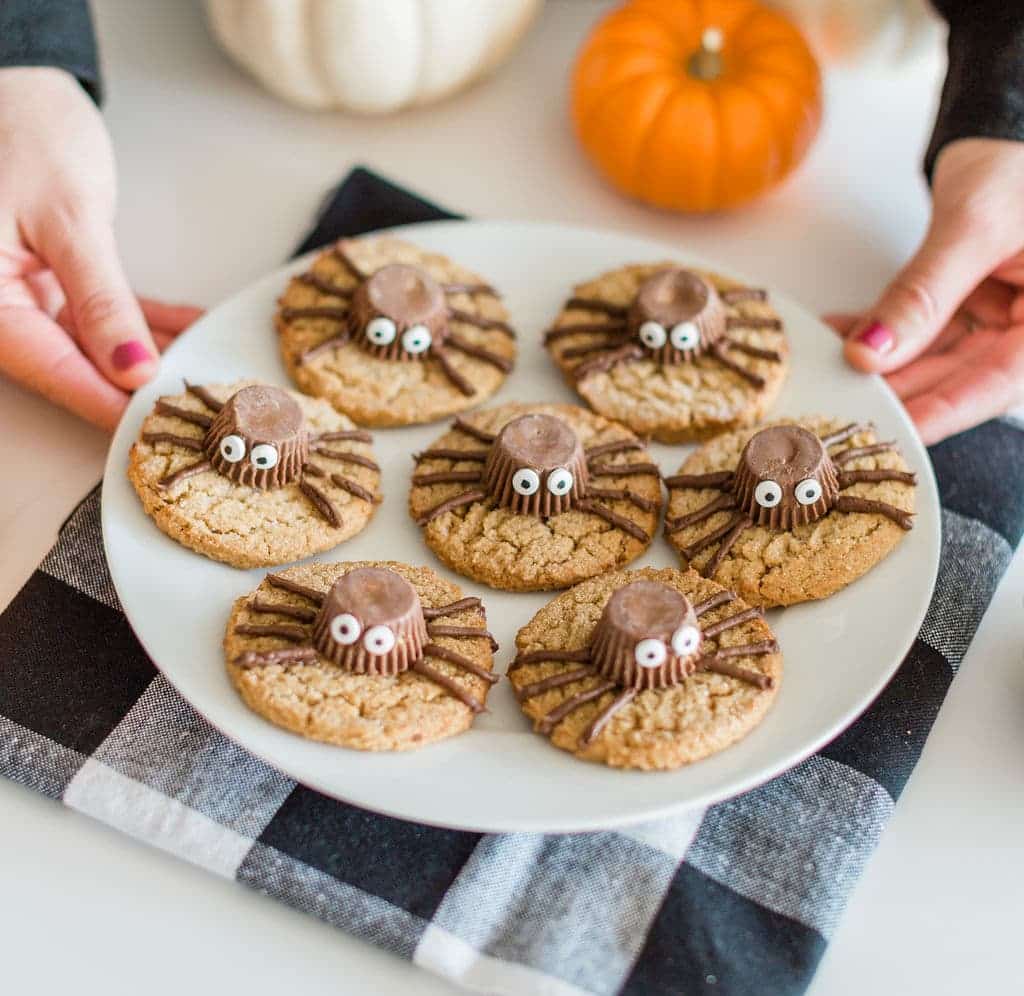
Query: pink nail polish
x=130 y=354
x=877 y=337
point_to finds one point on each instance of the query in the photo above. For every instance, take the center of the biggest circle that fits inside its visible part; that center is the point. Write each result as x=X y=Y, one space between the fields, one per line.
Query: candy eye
x=526 y=481
x=416 y=339
x=653 y=335
x=232 y=448
x=650 y=653
x=263 y=456
x=685 y=640
x=378 y=640
x=685 y=336
x=767 y=494
x=345 y=629
x=381 y=331
x=807 y=492
x=560 y=481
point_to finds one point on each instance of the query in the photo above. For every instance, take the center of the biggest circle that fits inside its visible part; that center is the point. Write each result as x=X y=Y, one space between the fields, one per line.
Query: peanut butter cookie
x=370 y=655
x=647 y=669
x=393 y=335
x=529 y=497
x=673 y=353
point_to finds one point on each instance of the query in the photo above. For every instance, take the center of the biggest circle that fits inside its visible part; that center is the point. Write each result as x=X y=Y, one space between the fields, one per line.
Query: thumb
x=110 y=326
x=920 y=301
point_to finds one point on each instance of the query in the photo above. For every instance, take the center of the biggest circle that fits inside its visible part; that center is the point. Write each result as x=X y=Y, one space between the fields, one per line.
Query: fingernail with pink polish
x=877 y=337
x=130 y=354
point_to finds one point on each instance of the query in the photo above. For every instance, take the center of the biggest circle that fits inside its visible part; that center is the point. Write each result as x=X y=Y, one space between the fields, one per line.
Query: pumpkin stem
x=706 y=62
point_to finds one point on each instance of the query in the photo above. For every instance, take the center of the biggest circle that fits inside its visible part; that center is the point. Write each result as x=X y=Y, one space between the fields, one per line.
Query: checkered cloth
x=738 y=898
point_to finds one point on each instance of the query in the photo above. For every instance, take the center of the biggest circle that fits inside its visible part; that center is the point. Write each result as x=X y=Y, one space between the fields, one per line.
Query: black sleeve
x=983 y=96
x=51 y=33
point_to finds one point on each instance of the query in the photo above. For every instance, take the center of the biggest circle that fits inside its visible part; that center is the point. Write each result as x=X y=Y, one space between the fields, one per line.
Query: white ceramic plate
x=500 y=776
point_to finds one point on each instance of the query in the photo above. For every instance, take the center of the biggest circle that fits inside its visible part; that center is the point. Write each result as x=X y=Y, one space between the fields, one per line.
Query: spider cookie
x=647 y=669
x=792 y=511
x=530 y=497
x=675 y=354
x=253 y=475
x=376 y=656
x=393 y=335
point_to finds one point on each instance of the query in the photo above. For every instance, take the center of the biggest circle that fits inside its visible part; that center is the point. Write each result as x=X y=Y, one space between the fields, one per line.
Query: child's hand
x=948 y=333
x=70 y=326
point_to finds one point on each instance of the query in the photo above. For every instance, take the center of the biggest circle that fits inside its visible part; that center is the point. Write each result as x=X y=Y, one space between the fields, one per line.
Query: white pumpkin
x=844 y=30
x=371 y=56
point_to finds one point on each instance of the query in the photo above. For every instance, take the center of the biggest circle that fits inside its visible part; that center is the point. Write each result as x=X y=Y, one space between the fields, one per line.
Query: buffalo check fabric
x=739 y=898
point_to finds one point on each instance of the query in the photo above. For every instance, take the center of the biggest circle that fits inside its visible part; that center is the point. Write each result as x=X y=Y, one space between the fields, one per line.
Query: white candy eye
x=263 y=456
x=650 y=653
x=378 y=640
x=685 y=336
x=526 y=481
x=381 y=331
x=560 y=481
x=767 y=494
x=232 y=448
x=807 y=492
x=653 y=335
x=416 y=339
x=685 y=640
x=345 y=629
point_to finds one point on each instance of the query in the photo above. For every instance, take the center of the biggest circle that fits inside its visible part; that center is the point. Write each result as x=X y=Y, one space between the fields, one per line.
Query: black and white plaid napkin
x=739 y=898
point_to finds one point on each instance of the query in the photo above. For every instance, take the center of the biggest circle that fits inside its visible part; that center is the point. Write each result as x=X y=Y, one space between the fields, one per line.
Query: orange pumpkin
x=695 y=105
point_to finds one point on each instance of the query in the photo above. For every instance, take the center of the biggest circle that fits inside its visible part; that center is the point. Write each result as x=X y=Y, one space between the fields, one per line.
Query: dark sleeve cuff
x=983 y=96
x=54 y=33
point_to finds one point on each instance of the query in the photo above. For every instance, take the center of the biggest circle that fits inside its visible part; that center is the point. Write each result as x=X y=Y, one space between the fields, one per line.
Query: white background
x=218 y=181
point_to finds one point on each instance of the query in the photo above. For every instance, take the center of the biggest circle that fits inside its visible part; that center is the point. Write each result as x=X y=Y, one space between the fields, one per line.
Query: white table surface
x=218 y=180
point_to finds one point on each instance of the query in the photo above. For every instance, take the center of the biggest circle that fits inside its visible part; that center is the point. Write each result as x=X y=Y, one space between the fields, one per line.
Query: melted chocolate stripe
x=459 y=288
x=295 y=587
x=732 y=621
x=444 y=654
x=443 y=453
x=452 y=608
x=553 y=718
x=283 y=630
x=199 y=467
x=347 y=435
x=464 y=425
x=186 y=442
x=596 y=304
x=455 y=341
x=543 y=656
x=764 y=354
x=721 y=598
x=481 y=322
x=614 y=519
x=562 y=331
x=460 y=382
x=449 y=504
x=264 y=658
x=848 y=477
x=200 y=392
x=856 y=452
x=575 y=352
x=738 y=294
x=624 y=494
x=334 y=342
x=601 y=364
x=691 y=551
x=293 y=611
x=615 y=446
x=727 y=544
x=320 y=502
x=450 y=686
x=354 y=488
x=448 y=477
x=841 y=435
x=196 y=418
x=593 y=731
x=332 y=312
x=749 y=649
x=343 y=257
x=555 y=681
x=752 y=322
x=850 y=503
x=719 y=504
x=345 y=457
x=748 y=375
x=623 y=469
x=718 y=666
x=324 y=286
x=458 y=632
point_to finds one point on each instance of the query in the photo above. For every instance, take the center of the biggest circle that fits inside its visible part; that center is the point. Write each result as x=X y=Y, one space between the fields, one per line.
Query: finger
x=974 y=392
x=842 y=322
x=163 y=339
x=1012 y=271
x=926 y=372
x=108 y=321
x=172 y=318
x=36 y=352
x=921 y=300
